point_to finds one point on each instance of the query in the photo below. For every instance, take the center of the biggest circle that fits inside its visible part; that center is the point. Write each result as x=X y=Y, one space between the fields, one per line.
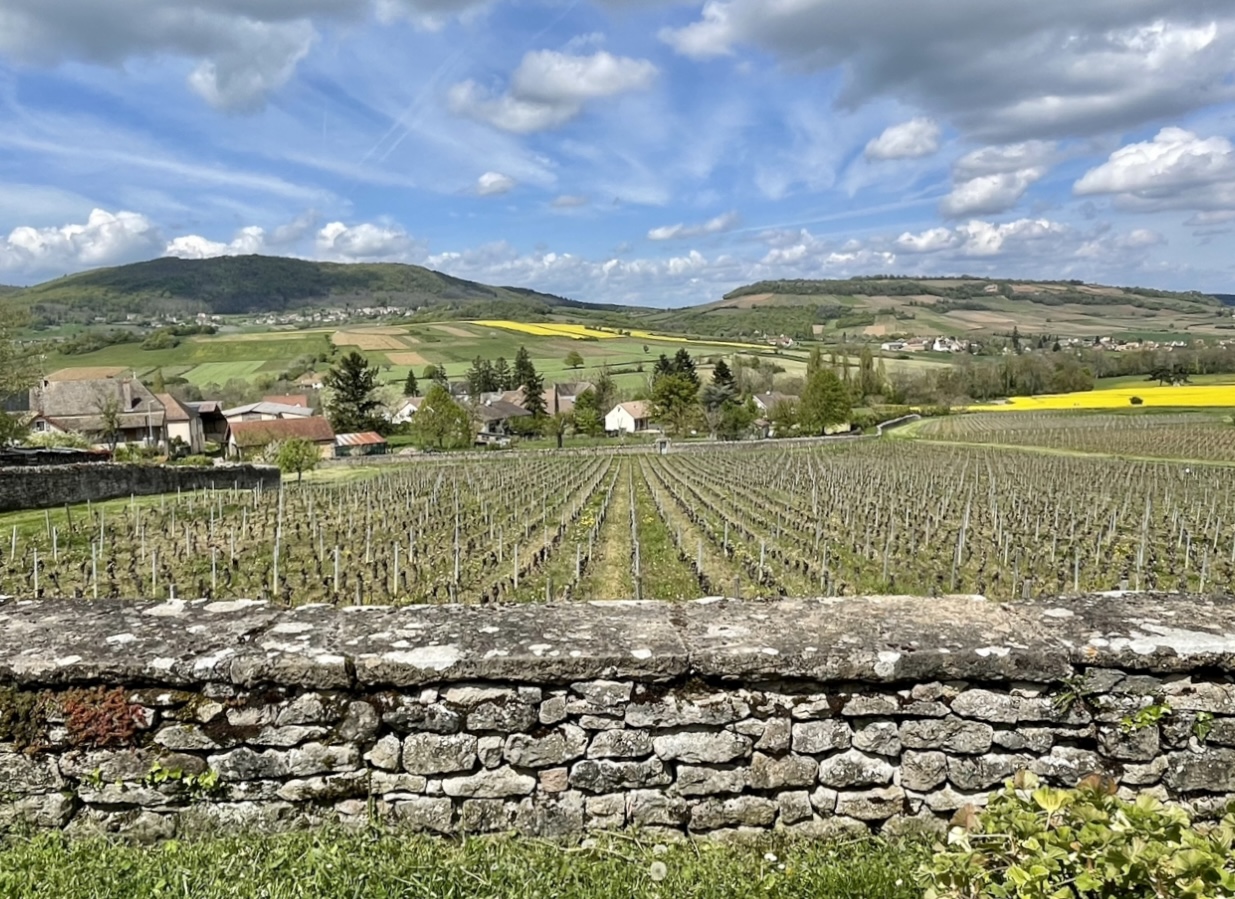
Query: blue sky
x=658 y=152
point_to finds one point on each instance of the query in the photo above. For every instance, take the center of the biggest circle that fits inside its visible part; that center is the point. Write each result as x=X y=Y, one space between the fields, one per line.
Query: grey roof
x=499 y=410
x=80 y=404
x=277 y=409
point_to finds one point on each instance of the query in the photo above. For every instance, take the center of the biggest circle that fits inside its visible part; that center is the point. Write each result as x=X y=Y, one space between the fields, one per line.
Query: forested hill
x=890 y=307
x=252 y=284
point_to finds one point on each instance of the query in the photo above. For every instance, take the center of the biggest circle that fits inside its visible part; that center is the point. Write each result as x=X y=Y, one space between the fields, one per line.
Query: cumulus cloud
x=989 y=194
x=364 y=242
x=550 y=88
x=247 y=241
x=242 y=51
x=1050 y=67
x=492 y=184
x=977 y=238
x=718 y=225
x=993 y=179
x=909 y=140
x=105 y=238
x=1178 y=169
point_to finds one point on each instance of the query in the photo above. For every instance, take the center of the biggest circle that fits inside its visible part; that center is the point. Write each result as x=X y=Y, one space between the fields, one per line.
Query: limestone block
x=854 y=769
x=607 y=776
x=768 y=773
x=871 y=805
x=702 y=781
x=702 y=747
x=497 y=783
x=817 y=737
x=738 y=811
x=620 y=744
x=565 y=744
x=881 y=738
x=923 y=771
x=949 y=734
x=439 y=753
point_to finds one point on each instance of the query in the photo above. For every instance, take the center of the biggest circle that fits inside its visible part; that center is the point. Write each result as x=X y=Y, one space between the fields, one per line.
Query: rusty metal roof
x=364 y=438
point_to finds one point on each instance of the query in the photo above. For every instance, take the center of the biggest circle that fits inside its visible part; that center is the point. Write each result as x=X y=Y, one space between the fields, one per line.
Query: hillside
x=251 y=284
x=885 y=307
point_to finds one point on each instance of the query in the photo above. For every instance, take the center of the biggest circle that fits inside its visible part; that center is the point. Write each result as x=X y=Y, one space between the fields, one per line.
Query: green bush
x=195 y=461
x=1034 y=842
x=1136 y=401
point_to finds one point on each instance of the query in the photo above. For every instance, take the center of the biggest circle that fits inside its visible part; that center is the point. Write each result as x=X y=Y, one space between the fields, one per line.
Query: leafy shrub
x=195 y=461
x=1136 y=401
x=1035 y=842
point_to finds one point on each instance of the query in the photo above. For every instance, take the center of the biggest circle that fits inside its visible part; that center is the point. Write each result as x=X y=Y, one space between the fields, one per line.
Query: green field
x=221 y=372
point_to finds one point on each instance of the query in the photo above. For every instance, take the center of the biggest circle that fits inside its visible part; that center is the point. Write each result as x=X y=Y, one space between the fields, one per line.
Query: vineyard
x=1182 y=436
x=881 y=516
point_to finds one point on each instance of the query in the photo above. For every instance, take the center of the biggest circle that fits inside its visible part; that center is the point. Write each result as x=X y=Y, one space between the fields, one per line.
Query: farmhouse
x=183 y=423
x=628 y=418
x=265 y=412
x=766 y=402
x=495 y=417
x=561 y=397
x=246 y=439
x=409 y=407
x=102 y=410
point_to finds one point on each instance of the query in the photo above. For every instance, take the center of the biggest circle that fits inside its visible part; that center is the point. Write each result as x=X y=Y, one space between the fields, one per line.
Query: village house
x=494 y=418
x=408 y=408
x=248 y=439
x=184 y=423
x=105 y=411
x=628 y=418
x=766 y=402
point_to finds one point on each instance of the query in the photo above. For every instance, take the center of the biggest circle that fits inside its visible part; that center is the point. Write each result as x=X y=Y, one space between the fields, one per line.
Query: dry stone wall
x=816 y=717
x=48 y=486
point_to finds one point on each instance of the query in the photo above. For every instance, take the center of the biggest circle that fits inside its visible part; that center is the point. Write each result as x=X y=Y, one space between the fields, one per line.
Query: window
x=40 y=426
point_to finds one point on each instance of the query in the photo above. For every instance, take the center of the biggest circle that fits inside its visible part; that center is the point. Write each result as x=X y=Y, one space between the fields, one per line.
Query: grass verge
x=385 y=866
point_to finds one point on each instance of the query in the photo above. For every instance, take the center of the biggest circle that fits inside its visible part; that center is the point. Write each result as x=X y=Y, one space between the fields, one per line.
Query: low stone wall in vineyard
x=813 y=716
x=49 y=486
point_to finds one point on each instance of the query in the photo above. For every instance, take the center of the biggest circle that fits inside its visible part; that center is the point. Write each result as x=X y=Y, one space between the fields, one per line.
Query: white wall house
x=628 y=418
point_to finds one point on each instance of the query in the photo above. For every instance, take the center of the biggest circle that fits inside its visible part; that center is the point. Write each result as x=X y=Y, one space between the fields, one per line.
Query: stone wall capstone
x=818 y=717
x=49 y=486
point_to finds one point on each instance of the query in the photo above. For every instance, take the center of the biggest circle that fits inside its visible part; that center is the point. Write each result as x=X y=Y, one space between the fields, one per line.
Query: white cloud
x=243 y=51
x=1176 y=170
x=1051 y=67
x=989 y=194
x=909 y=140
x=550 y=88
x=367 y=241
x=1209 y=219
x=569 y=201
x=430 y=15
x=718 y=225
x=1001 y=159
x=492 y=184
x=247 y=241
x=105 y=238
x=932 y=241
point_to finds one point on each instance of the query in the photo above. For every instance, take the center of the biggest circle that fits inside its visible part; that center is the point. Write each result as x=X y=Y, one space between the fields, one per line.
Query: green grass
x=221 y=372
x=385 y=866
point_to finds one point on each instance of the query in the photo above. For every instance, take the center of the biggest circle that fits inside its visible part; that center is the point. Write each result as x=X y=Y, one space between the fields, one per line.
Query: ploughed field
x=904 y=516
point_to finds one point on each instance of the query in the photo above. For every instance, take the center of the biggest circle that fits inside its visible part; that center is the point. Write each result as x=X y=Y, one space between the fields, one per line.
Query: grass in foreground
x=332 y=864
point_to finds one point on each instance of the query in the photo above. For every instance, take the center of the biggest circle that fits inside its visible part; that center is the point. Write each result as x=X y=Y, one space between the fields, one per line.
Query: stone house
x=84 y=407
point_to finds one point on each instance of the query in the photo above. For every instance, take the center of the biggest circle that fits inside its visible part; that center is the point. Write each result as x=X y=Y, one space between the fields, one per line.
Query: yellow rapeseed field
x=579 y=332
x=549 y=329
x=1198 y=396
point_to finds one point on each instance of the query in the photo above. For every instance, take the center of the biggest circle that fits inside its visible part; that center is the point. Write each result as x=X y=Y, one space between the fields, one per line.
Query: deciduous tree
x=441 y=423
x=297 y=455
x=574 y=359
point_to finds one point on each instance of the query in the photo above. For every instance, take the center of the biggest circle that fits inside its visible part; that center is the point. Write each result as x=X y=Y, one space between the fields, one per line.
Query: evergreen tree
x=815 y=362
x=481 y=378
x=410 y=387
x=502 y=373
x=723 y=377
x=534 y=394
x=353 y=404
x=685 y=366
x=663 y=367
x=524 y=369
